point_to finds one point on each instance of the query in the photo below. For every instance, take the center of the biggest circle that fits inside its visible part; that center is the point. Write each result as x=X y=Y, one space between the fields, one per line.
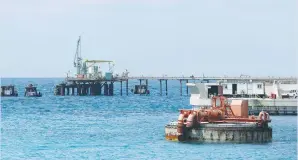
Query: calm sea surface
x=127 y=127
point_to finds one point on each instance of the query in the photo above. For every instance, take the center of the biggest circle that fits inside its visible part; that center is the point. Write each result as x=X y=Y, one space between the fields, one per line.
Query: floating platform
x=226 y=122
x=225 y=132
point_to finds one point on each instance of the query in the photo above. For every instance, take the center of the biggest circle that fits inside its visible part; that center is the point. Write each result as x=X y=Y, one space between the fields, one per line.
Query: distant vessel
x=141 y=89
x=31 y=91
x=9 y=91
x=223 y=123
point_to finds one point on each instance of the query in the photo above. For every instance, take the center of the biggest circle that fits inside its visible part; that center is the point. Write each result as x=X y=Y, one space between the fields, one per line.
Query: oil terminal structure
x=226 y=122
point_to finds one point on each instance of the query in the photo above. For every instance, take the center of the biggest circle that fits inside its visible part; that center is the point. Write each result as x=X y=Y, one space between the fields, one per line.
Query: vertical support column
x=83 y=90
x=121 y=87
x=67 y=90
x=140 y=86
x=187 y=87
x=105 y=89
x=62 y=90
x=95 y=89
x=87 y=89
x=146 y=86
x=99 y=88
x=160 y=87
x=180 y=87
x=127 y=87
x=111 y=89
x=166 y=87
x=72 y=90
x=92 y=89
x=79 y=89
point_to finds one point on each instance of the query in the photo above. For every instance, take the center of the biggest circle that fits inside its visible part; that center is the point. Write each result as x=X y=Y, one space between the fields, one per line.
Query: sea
x=117 y=127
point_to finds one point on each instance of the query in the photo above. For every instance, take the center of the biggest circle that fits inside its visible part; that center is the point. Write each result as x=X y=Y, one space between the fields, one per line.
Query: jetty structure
x=91 y=80
x=218 y=123
x=277 y=93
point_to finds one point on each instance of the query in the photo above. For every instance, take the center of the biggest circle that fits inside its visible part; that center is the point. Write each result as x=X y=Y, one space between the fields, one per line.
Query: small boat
x=141 y=89
x=8 y=91
x=31 y=91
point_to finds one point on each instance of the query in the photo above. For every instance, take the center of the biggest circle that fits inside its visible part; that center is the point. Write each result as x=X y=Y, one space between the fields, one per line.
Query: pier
x=93 y=87
x=90 y=80
x=88 y=87
x=105 y=86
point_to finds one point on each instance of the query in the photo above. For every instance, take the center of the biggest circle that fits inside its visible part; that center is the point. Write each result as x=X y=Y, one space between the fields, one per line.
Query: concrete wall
x=244 y=135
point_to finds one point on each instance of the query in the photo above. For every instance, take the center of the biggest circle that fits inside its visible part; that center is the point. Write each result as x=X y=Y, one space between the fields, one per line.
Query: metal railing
x=293 y=79
x=215 y=78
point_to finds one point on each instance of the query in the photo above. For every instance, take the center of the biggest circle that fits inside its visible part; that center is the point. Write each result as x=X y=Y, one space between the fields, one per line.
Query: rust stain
x=172 y=137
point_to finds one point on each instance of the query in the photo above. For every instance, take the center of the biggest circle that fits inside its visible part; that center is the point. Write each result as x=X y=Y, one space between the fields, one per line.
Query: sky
x=150 y=37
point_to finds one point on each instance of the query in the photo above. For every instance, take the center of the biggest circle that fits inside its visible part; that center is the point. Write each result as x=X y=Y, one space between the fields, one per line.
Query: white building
x=243 y=89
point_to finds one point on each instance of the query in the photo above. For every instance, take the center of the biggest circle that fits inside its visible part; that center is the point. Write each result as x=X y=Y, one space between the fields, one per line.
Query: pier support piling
x=67 y=90
x=180 y=87
x=72 y=90
x=146 y=86
x=166 y=87
x=111 y=89
x=140 y=85
x=127 y=87
x=160 y=87
x=105 y=89
x=186 y=88
x=121 y=87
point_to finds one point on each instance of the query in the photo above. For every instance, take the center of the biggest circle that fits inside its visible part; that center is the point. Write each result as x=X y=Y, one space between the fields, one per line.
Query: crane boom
x=78 y=58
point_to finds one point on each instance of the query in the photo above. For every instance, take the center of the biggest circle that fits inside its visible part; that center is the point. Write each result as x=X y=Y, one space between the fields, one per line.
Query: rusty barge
x=226 y=122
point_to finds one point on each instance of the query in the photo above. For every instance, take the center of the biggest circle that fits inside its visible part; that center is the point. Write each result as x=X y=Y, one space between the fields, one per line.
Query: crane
x=83 y=66
x=78 y=59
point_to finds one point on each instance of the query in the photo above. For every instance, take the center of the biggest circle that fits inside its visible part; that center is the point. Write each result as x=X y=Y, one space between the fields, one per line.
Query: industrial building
x=244 y=89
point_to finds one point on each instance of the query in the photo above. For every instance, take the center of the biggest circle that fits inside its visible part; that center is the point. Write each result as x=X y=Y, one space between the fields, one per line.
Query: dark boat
x=141 y=89
x=9 y=91
x=31 y=91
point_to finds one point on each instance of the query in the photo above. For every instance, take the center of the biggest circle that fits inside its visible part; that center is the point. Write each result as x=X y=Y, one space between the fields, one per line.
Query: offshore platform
x=89 y=79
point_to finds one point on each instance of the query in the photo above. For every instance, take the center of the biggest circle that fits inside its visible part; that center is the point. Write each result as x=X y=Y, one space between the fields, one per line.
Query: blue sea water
x=118 y=127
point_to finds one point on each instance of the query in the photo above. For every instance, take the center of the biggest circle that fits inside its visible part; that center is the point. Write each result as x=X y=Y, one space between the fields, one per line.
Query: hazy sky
x=149 y=37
